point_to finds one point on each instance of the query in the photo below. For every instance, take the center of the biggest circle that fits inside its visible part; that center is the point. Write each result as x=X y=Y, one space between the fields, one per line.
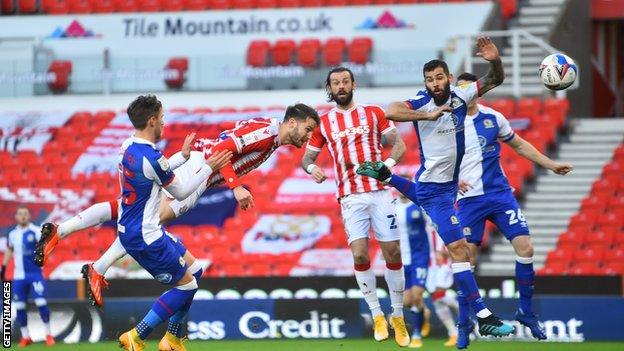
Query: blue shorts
x=438 y=202
x=162 y=259
x=501 y=208
x=415 y=275
x=177 y=242
x=29 y=286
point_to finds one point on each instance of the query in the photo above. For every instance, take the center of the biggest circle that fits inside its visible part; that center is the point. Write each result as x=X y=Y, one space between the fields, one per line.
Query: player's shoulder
x=421 y=99
x=13 y=231
x=143 y=148
x=35 y=228
x=486 y=111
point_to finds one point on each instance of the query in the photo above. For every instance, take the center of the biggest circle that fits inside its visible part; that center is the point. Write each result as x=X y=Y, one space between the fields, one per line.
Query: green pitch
x=349 y=345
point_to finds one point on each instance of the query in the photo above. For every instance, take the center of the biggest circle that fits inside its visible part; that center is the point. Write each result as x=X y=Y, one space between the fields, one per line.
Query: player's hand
x=464 y=186
x=438 y=112
x=377 y=170
x=218 y=160
x=244 y=198
x=2 y=273
x=487 y=49
x=186 y=147
x=562 y=168
x=318 y=175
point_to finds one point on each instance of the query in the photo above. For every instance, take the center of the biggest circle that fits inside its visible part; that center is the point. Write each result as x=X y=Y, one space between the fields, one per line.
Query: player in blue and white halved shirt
x=27 y=277
x=485 y=193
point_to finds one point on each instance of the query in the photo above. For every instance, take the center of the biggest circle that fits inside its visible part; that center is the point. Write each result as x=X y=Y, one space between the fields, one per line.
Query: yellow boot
x=170 y=342
x=426 y=326
x=130 y=341
x=401 y=336
x=380 y=327
x=452 y=341
x=416 y=343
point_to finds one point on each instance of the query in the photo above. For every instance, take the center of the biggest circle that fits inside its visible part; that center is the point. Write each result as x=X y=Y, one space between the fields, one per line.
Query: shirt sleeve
x=385 y=125
x=468 y=92
x=8 y=241
x=317 y=141
x=505 y=132
x=227 y=171
x=418 y=102
x=158 y=169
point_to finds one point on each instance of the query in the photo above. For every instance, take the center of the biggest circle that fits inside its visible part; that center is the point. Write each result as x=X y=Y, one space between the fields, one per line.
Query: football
x=558 y=71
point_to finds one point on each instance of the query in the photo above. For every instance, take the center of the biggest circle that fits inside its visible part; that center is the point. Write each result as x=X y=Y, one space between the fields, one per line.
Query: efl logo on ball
x=558 y=71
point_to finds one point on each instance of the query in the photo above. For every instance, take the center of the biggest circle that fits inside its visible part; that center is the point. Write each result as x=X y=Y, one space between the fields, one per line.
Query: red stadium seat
x=333 y=51
x=127 y=6
x=173 y=5
x=336 y=3
x=104 y=6
x=25 y=6
x=560 y=254
x=505 y=106
x=555 y=268
x=266 y=4
x=508 y=7
x=80 y=6
x=308 y=52
x=282 y=52
x=288 y=3
x=242 y=4
x=179 y=66
x=62 y=70
x=251 y=109
x=614 y=267
x=600 y=237
x=8 y=7
x=257 y=53
x=589 y=254
x=360 y=2
x=55 y=7
x=312 y=3
x=360 y=49
x=149 y=5
x=199 y=5
x=227 y=109
x=586 y=268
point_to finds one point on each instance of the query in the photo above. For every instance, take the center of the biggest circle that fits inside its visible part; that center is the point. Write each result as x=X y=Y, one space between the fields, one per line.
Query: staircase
x=536 y=17
x=554 y=199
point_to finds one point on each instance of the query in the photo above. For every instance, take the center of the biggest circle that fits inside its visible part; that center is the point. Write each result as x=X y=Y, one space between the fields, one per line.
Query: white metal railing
x=514 y=35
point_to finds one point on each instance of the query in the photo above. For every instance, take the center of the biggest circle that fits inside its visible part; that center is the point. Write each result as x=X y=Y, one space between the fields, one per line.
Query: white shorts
x=439 y=277
x=360 y=210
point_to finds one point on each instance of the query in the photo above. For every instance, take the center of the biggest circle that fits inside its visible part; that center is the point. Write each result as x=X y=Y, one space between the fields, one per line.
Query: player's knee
x=459 y=251
x=361 y=258
x=418 y=300
x=525 y=251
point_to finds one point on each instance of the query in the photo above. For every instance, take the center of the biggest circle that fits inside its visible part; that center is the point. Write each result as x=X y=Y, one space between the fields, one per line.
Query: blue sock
x=21 y=317
x=464 y=309
x=44 y=312
x=198 y=274
x=525 y=277
x=163 y=308
x=405 y=186
x=417 y=321
x=175 y=322
x=468 y=285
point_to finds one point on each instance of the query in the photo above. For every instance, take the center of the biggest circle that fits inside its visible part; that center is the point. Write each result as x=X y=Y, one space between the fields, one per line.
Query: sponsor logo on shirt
x=164 y=164
x=164 y=278
x=350 y=132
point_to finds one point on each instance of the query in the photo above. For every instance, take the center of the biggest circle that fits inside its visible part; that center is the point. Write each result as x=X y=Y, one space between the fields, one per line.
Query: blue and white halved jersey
x=442 y=141
x=22 y=241
x=413 y=234
x=144 y=171
x=481 y=164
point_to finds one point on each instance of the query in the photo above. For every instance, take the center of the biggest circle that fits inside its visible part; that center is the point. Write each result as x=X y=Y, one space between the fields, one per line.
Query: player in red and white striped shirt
x=250 y=142
x=353 y=134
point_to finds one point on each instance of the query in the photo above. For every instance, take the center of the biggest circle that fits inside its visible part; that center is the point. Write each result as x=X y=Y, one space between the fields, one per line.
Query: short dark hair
x=22 y=207
x=433 y=64
x=332 y=71
x=467 y=76
x=142 y=108
x=301 y=112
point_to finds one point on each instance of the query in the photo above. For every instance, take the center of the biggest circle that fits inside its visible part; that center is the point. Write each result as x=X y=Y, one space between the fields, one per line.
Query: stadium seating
x=223 y=245
x=57 y=7
x=596 y=231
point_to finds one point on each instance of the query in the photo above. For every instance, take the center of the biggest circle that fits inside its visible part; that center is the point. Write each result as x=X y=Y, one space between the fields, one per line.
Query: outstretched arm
x=308 y=165
x=398 y=146
x=496 y=74
x=528 y=151
x=399 y=111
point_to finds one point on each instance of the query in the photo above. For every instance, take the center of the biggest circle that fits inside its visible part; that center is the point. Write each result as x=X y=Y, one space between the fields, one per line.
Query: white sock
x=114 y=252
x=451 y=302
x=368 y=286
x=179 y=207
x=444 y=314
x=47 y=328
x=395 y=278
x=24 y=331
x=484 y=313
x=92 y=216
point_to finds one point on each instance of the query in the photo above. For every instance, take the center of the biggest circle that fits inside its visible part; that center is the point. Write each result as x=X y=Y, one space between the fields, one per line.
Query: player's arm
x=403 y=111
x=313 y=149
x=242 y=195
x=179 y=158
x=528 y=151
x=398 y=147
x=496 y=74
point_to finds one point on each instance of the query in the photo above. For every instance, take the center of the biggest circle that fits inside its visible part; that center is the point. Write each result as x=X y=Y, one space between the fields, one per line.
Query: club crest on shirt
x=456 y=102
x=467 y=231
x=454 y=220
x=487 y=123
x=164 y=164
x=30 y=238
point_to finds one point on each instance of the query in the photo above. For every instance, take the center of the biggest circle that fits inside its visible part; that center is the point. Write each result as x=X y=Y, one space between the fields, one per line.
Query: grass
x=348 y=345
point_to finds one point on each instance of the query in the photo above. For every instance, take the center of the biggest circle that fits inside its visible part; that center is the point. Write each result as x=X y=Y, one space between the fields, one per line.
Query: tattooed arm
x=398 y=146
x=308 y=165
x=496 y=74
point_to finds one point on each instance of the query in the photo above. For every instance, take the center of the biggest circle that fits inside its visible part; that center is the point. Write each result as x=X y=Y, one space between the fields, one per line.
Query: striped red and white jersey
x=251 y=142
x=352 y=137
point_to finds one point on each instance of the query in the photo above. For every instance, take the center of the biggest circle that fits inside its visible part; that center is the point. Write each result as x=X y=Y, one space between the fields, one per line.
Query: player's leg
x=408 y=303
x=442 y=213
x=383 y=218
x=51 y=233
x=443 y=311
x=509 y=219
x=38 y=292
x=163 y=261
x=93 y=273
x=20 y=289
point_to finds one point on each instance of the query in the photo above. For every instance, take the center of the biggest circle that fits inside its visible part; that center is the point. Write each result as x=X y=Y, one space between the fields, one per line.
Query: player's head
x=467 y=78
x=339 y=85
x=22 y=215
x=437 y=80
x=299 y=122
x=146 y=114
